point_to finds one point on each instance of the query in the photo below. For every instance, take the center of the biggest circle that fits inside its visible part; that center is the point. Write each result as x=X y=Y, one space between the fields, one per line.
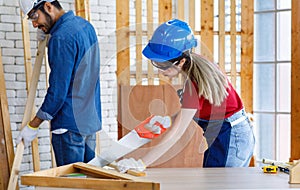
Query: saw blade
x=125 y=145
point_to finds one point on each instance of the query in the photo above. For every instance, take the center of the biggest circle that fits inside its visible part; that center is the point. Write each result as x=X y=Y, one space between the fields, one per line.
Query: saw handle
x=145 y=133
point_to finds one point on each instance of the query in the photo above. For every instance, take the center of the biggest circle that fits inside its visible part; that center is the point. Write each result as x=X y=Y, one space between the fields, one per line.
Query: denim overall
x=230 y=141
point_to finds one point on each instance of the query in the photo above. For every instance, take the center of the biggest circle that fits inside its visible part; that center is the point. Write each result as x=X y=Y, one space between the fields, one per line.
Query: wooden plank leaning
x=27 y=113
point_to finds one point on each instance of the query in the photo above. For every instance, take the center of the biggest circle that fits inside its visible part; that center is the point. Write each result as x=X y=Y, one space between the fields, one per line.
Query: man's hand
x=28 y=133
x=130 y=164
x=155 y=121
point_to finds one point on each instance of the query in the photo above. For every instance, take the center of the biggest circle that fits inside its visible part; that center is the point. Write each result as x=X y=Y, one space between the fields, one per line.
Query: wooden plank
x=233 y=42
x=99 y=178
x=7 y=141
x=138 y=52
x=221 y=35
x=295 y=85
x=207 y=37
x=247 y=31
x=180 y=7
x=27 y=53
x=28 y=74
x=165 y=10
x=27 y=113
x=164 y=14
x=82 y=9
x=4 y=167
x=192 y=13
x=149 y=35
x=123 y=53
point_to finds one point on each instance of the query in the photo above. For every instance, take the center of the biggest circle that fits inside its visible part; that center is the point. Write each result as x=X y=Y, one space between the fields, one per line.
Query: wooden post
x=165 y=10
x=233 y=42
x=222 y=35
x=149 y=35
x=207 y=35
x=295 y=88
x=123 y=54
x=138 y=46
x=82 y=9
x=28 y=74
x=247 y=54
x=6 y=145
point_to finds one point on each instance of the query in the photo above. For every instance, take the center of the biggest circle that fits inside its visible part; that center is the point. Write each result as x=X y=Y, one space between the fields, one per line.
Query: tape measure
x=270 y=169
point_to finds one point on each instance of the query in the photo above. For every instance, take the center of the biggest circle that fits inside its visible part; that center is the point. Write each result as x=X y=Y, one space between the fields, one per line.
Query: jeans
x=230 y=141
x=71 y=147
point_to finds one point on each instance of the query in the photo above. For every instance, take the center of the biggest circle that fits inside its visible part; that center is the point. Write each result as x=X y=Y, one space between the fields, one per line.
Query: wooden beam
x=295 y=88
x=82 y=8
x=180 y=9
x=207 y=33
x=28 y=74
x=233 y=42
x=138 y=46
x=165 y=10
x=27 y=113
x=221 y=35
x=6 y=145
x=123 y=53
x=247 y=31
x=149 y=35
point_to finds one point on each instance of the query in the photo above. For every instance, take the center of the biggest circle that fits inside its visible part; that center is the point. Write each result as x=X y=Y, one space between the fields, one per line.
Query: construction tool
x=270 y=169
x=136 y=138
x=282 y=166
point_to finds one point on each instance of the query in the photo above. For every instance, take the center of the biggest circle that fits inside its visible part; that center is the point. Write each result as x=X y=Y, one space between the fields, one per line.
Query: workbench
x=166 y=179
x=218 y=178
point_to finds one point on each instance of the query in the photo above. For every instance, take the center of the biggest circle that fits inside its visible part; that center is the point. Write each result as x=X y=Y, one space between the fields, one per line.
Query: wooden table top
x=218 y=178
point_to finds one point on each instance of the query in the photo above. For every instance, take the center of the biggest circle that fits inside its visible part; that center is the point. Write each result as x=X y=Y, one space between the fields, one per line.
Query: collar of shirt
x=61 y=20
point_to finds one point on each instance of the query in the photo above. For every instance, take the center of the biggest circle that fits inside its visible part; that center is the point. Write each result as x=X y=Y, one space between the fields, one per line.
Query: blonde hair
x=212 y=83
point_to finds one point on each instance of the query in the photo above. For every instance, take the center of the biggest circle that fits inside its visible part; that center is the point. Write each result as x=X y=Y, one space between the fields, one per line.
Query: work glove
x=154 y=128
x=28 y=133
x=40 y=35
x=130 y=164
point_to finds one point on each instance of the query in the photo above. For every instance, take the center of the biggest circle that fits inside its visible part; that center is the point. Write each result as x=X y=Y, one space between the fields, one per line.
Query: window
x=272 y=84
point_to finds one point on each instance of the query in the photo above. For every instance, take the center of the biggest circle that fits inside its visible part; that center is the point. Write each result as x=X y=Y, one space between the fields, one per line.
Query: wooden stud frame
x=207 y=34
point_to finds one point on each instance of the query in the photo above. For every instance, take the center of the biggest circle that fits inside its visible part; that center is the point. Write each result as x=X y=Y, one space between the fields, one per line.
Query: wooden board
x=97 y=178
x=295 y=89
x=137 y=103
x=6 y=146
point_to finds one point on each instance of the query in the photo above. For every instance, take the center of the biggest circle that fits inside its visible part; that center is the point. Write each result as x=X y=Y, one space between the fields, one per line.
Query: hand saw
x=136 y=138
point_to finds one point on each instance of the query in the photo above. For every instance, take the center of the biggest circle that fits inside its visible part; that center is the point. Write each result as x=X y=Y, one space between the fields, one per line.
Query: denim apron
x=219 y=136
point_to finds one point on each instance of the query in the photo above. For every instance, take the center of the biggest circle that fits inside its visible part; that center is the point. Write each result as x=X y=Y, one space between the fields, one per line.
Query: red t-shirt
x=205 y=110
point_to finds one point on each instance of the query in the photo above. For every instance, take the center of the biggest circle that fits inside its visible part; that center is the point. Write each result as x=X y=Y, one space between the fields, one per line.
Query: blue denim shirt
x=72 y=101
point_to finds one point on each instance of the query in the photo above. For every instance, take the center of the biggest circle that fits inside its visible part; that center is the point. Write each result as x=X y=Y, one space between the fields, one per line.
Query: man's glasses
x=34 y=16
x=163 y=65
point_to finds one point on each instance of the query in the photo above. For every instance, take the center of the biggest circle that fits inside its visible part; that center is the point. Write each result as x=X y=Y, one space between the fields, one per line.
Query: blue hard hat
x=169 y=41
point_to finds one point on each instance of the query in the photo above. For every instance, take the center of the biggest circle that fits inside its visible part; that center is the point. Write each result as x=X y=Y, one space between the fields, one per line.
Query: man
x=72 y=102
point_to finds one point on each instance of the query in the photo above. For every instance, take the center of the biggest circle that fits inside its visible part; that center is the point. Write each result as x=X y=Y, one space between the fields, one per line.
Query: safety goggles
x=34 y=16
x=164 y=65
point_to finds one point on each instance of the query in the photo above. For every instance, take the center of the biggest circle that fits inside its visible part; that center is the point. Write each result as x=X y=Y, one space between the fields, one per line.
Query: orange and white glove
x=154 y=126
x=130 y=164
x=27 y=134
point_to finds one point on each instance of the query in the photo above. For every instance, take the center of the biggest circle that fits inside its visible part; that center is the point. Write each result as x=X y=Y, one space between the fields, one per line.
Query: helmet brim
x=147 y=52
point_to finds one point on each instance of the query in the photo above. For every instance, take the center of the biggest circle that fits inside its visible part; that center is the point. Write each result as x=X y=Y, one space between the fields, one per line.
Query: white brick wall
x=103 y=19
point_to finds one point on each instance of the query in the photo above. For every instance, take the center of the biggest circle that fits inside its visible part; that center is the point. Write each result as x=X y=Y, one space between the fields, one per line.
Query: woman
x=220 y=111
